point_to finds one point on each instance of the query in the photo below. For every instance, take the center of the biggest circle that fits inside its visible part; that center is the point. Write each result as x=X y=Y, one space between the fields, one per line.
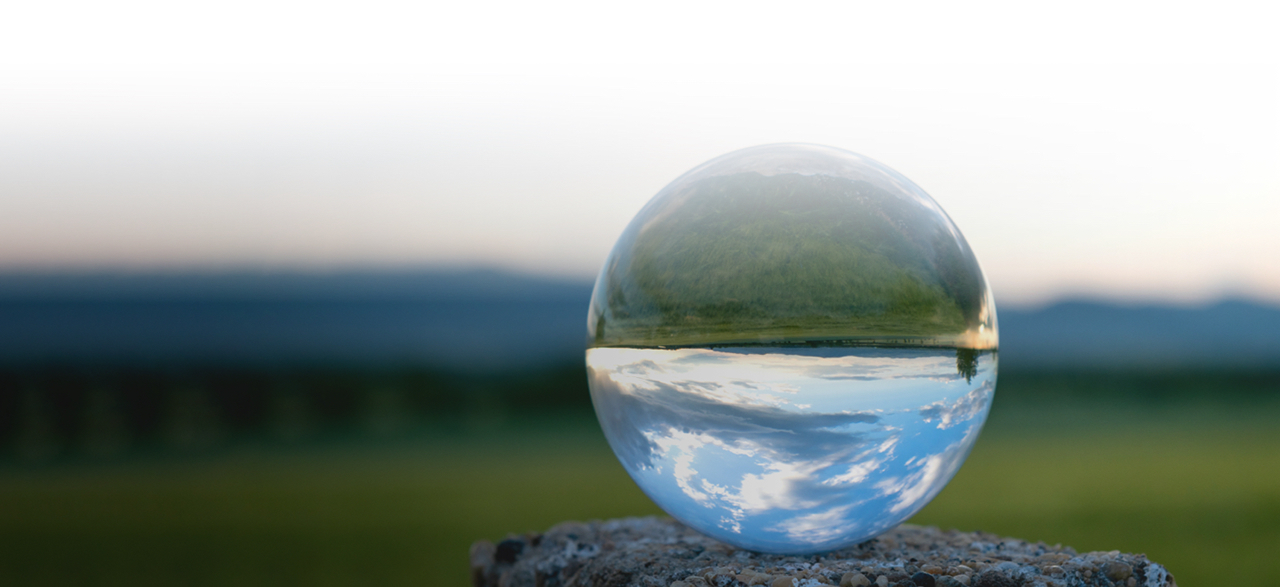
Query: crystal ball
x=791 y=348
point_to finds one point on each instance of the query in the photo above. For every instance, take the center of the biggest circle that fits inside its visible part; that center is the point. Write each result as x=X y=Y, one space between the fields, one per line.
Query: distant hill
x=1112 y=335
x=481 y=319
x=460 y=318
x=350 y=285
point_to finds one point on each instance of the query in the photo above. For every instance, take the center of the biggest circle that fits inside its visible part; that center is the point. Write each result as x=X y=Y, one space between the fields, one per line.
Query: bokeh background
x=295 y=293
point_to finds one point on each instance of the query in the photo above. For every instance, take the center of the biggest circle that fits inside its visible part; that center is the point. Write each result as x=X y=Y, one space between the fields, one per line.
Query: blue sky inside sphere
x=786 y=449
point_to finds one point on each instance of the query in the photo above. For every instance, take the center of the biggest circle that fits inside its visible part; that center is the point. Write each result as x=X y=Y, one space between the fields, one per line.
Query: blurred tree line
x=56 y=411
x=61 y=410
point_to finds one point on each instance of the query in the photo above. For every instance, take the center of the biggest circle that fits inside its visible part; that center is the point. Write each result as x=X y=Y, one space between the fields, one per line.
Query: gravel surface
x=660 y=552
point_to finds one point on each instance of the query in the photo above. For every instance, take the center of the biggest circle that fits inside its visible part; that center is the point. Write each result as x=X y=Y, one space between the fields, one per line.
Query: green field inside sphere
x=745 y=257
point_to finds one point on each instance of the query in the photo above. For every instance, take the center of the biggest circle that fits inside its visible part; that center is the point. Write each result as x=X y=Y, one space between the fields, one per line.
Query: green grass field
x=1195 y=487
x=790 y=257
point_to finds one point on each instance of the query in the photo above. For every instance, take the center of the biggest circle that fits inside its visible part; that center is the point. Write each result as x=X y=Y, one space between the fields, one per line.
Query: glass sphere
x=792 y=348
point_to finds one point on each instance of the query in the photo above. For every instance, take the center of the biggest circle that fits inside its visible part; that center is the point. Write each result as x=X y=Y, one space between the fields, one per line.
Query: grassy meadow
x=788 y=257
x=1192 y=480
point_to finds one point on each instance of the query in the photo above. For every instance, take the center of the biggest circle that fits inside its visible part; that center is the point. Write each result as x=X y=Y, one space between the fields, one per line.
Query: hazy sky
x=1127 y=150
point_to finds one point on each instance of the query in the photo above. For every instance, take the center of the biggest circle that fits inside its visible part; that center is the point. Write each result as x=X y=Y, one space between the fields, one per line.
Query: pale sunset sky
x=1119 y=150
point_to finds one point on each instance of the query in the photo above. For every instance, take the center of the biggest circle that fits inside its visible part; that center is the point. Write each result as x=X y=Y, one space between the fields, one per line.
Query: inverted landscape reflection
x=791 y=449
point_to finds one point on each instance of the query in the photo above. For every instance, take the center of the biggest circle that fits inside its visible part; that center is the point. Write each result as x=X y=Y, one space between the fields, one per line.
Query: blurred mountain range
x=485 y=319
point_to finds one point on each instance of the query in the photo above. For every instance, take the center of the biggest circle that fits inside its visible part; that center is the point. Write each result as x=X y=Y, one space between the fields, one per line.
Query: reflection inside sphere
x=791 y=449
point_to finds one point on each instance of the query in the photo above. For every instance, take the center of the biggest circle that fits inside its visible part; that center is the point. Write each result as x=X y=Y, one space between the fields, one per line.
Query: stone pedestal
x=659 y=552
